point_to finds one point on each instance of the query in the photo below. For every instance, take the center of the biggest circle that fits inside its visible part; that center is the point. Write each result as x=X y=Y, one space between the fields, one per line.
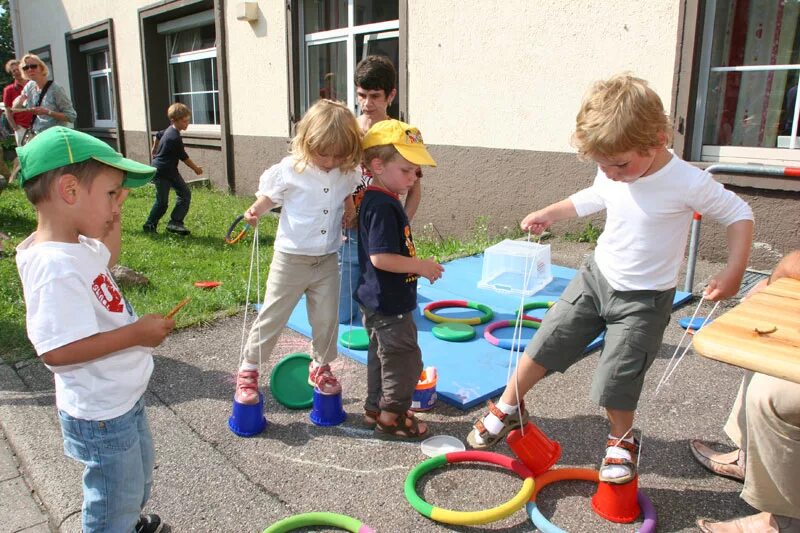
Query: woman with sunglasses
x=54 y=108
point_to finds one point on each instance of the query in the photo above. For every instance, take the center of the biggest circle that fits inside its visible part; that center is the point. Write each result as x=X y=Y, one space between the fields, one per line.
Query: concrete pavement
x=208 y=479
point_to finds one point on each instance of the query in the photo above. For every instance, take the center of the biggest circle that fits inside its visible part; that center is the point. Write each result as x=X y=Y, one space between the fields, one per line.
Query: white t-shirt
x=647 y=222
x=313 y=206
x=70 y=295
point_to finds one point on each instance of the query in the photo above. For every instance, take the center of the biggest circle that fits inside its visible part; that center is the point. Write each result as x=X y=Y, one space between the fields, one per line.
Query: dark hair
x=37 y=189
x=375 y=73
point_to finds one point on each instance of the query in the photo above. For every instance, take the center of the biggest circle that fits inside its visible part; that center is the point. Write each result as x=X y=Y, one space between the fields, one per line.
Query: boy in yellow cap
x=387 y=287
x=82 y=327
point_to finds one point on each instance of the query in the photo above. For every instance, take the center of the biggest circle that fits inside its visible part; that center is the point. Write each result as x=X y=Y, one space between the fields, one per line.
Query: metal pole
x=694 y=244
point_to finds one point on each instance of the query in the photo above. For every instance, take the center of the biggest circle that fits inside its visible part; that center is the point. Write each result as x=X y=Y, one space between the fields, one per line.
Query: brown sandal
x=633 y=448
x=404 y=428
x=510 y=422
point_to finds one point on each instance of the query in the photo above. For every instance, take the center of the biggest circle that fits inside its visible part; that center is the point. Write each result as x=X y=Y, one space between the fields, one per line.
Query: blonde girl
x=311 y=184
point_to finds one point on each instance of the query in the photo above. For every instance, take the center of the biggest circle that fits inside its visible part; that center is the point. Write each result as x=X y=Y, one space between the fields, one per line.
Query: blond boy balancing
x=627 y=287
x=387 y=288
x=83 y=328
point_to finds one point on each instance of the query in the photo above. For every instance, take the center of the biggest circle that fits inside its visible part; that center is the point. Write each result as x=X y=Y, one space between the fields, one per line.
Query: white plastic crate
x=505 y=263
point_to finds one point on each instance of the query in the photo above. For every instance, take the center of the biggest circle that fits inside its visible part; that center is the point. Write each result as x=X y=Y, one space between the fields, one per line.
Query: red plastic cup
x=617 y=503
x=534 y=448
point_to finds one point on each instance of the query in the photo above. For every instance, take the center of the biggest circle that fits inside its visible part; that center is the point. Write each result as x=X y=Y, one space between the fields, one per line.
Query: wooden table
x=761 y=334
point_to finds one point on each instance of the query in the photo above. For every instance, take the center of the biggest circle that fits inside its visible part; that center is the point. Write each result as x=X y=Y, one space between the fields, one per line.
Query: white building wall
x=512 y=73
x=257 y=57
x=258 y=71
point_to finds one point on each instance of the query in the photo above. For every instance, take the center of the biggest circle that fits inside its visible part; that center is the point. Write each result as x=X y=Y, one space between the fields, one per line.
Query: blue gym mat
x=472 y=371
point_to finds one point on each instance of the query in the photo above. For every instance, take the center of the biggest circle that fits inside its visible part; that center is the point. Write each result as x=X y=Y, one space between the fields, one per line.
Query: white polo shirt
x=313 y=206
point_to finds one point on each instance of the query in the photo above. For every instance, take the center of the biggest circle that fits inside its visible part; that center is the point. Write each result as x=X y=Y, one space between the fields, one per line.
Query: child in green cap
x=83 y=329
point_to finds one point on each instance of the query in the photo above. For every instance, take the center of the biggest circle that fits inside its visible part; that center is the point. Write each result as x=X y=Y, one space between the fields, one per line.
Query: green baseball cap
x=59 y=146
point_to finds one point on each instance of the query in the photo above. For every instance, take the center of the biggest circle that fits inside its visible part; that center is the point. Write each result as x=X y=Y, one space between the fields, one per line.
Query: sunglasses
x=28 y=67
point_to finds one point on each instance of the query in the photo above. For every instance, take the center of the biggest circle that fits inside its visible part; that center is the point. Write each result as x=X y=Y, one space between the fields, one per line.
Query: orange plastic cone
x=617 y=503
x=534 y=448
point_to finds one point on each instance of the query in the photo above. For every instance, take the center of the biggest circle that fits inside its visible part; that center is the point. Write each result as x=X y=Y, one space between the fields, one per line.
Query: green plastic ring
x=319 y=519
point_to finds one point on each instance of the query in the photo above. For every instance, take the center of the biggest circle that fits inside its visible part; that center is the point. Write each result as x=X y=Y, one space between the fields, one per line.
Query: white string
x=516 y=338
x=671 y=367
x=247 y=293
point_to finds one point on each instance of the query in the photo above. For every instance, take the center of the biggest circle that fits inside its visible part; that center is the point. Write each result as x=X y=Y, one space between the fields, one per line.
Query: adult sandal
x=404 y=428
x=726 y=464
x=629 y=464
x=510 y=422
x=757 y=523
x=247 y=387
x=371 y=417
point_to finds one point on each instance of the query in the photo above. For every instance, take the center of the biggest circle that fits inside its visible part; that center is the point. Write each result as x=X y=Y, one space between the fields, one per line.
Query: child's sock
x=615 y=452
x=493 y=424
x=246 y=366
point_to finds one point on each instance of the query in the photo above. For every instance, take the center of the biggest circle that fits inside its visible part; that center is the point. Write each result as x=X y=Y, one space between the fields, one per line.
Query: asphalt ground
x=208 y=479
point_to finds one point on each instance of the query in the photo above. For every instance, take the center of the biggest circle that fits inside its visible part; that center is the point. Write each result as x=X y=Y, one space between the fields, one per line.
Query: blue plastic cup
x=248 y=420
x=326 y=409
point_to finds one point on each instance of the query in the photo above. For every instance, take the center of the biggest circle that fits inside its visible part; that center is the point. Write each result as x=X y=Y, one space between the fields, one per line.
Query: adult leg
x=765 y=422
x=349 y=272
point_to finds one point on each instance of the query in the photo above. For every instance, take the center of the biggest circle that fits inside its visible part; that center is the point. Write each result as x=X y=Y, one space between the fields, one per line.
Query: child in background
x=311 y=184
x=376 y=88
x=387 y=288
x=167 y=151
x=81 y=326
x=626 y=289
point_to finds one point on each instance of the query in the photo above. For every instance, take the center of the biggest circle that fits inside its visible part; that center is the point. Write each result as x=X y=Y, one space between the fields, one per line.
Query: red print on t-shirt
x=107 y=293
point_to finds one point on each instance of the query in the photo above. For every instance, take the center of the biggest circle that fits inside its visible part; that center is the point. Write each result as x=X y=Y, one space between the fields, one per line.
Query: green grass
x=174 y=263
x=589 y=233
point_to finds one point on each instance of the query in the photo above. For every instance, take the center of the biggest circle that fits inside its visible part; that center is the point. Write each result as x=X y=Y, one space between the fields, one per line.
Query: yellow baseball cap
x=407 y=139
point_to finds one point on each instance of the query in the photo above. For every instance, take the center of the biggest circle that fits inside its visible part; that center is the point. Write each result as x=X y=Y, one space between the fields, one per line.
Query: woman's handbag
x=29 y=133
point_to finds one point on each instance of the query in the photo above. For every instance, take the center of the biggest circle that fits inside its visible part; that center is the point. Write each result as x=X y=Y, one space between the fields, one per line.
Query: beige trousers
x=291 y=276
x=765 y=423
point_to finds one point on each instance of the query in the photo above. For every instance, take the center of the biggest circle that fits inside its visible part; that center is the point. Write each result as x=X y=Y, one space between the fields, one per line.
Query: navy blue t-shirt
x=170 y=151
x=383 y=228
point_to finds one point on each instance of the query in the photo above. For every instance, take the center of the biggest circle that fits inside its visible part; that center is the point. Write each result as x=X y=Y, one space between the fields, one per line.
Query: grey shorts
x=633 y=321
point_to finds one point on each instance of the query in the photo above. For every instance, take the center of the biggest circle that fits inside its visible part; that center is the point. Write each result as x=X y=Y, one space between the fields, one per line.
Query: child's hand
x=723 y=285
x=430 y=269
x=153 y=329
x=198 y=171
x=251 y=217
x=122 y=195
x=536 y=222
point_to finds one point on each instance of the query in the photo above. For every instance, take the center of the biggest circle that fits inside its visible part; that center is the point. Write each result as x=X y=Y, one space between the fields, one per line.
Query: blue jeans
x=163 y=184
x=349 y=272
x=119 y=457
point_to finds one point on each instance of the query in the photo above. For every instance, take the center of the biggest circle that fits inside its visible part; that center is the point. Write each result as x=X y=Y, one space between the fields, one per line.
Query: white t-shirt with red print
x=70 y=295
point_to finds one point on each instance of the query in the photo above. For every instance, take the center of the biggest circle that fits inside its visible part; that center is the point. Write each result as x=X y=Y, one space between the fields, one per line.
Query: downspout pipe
x=728 y=168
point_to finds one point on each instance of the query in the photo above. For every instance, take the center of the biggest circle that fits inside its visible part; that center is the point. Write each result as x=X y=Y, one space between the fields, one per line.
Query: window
x=337 y=35
x=747 y=105
x=101 y=89
x=192 y=60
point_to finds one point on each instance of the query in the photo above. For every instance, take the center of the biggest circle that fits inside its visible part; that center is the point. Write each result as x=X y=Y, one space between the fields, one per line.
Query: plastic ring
x=488 y=314
x=468 y=518
x=533 y=305
x=581 y=474
x=319 y=519
x=508 y=344
x=237 y=238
